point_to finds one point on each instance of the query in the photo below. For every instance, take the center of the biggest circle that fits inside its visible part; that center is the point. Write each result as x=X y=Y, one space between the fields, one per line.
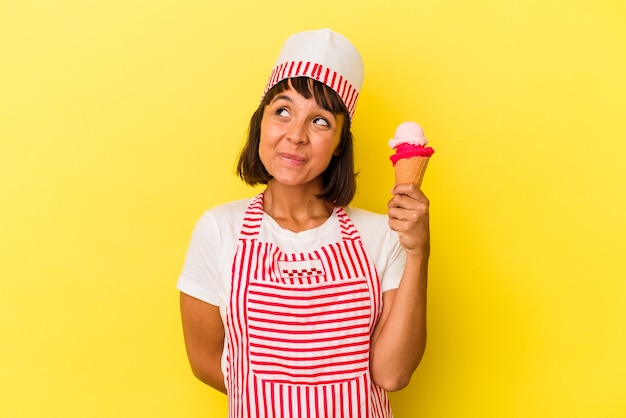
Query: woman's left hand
x=408 y=216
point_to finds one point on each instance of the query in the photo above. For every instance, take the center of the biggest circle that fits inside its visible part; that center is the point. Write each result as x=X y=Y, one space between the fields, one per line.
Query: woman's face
x=298 y=138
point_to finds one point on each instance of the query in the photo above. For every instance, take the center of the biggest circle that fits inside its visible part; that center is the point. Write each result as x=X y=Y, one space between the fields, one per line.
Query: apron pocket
x=309 y=334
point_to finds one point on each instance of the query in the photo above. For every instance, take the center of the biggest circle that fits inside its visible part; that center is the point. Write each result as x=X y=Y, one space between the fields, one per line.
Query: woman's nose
x=297 y=132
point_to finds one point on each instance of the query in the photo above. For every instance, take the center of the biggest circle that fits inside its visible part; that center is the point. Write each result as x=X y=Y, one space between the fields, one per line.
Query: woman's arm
x=203 y=331
x=399 y=339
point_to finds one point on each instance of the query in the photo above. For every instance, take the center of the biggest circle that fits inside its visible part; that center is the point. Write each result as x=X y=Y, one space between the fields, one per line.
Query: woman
x=293 y=303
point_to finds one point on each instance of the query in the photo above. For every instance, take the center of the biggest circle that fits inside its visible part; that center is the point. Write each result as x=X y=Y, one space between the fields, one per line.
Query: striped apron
x=299 y=328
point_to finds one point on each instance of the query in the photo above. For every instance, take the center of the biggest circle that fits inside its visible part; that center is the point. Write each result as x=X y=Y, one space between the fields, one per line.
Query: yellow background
x=120 y=122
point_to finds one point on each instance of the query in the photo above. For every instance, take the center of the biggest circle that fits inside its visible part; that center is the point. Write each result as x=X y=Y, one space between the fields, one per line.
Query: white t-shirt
x=206 y=273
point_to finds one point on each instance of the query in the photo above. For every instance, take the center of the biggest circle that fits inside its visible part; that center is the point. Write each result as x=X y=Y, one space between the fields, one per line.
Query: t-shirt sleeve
x=200 y=274
x=382 y=244
x=395 y=263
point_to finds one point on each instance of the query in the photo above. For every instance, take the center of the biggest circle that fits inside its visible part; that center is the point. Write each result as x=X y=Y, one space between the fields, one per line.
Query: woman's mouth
x=292 y=159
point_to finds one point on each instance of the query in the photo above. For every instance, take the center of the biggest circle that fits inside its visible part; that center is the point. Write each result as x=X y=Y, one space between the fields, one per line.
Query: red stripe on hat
x=271 y=80
x=315 y=72
x=299 y=67
x=342 y=86
x=326 y=76
x=290 y=69
x=276 y=74
x=347 y=98
x=282 y=70
x=350 y=95
x=352 y=103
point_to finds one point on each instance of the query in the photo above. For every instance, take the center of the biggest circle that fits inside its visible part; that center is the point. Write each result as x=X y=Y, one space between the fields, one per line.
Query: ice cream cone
x=411 y=170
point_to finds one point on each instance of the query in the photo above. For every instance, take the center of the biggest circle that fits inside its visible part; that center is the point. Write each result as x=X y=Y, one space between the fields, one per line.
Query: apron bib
x=299 y=328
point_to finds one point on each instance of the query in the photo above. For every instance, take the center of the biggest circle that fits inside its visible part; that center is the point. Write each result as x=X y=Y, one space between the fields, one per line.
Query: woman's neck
x=295 y=208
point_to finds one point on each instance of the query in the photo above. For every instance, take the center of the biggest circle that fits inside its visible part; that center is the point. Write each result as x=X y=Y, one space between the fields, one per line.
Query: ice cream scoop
x=411 y=153
x=408 y=133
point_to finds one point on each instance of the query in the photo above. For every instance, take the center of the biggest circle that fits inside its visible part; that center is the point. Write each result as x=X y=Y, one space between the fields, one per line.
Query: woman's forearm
x=399 y=339
x=203 y=332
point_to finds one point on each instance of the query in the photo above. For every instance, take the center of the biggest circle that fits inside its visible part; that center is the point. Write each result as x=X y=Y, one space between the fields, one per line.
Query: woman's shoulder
x=229 y=209
x=368 y=221
x=365 y=215
x=225 y=216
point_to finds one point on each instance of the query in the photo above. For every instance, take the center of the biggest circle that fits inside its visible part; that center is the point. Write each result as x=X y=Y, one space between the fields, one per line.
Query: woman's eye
x=282 y=112
x=321 y=122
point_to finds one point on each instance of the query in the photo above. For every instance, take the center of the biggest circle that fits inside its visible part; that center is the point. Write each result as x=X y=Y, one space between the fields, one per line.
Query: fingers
x=408 y=220
x=410 y=191
x=407 y=196
x=408 y=215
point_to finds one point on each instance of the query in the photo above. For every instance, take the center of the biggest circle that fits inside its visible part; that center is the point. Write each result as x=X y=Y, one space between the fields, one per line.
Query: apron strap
x=348 y=230
x=252 y=219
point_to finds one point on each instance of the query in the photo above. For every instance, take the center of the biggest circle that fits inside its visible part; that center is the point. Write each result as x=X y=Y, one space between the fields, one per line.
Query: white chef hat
x=322 y=55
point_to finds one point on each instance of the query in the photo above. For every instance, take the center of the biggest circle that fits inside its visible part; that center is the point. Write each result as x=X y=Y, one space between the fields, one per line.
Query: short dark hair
x=339 y=178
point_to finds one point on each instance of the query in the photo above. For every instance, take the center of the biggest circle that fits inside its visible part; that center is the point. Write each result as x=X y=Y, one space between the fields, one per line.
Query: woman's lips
x=293 y=159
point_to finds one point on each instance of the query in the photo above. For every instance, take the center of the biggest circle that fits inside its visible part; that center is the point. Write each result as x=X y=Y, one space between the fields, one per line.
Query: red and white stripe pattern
x=309 y=335
x=346 y=91
x=298 y=346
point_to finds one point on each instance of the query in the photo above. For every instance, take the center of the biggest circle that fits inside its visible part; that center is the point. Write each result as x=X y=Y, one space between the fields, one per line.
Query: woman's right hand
x=408 y=216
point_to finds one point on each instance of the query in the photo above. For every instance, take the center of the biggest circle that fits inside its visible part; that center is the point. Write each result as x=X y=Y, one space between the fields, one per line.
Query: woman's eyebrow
x=283 y=97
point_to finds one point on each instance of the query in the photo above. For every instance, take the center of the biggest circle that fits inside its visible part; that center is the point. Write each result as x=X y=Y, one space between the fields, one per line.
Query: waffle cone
x=411 y=170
